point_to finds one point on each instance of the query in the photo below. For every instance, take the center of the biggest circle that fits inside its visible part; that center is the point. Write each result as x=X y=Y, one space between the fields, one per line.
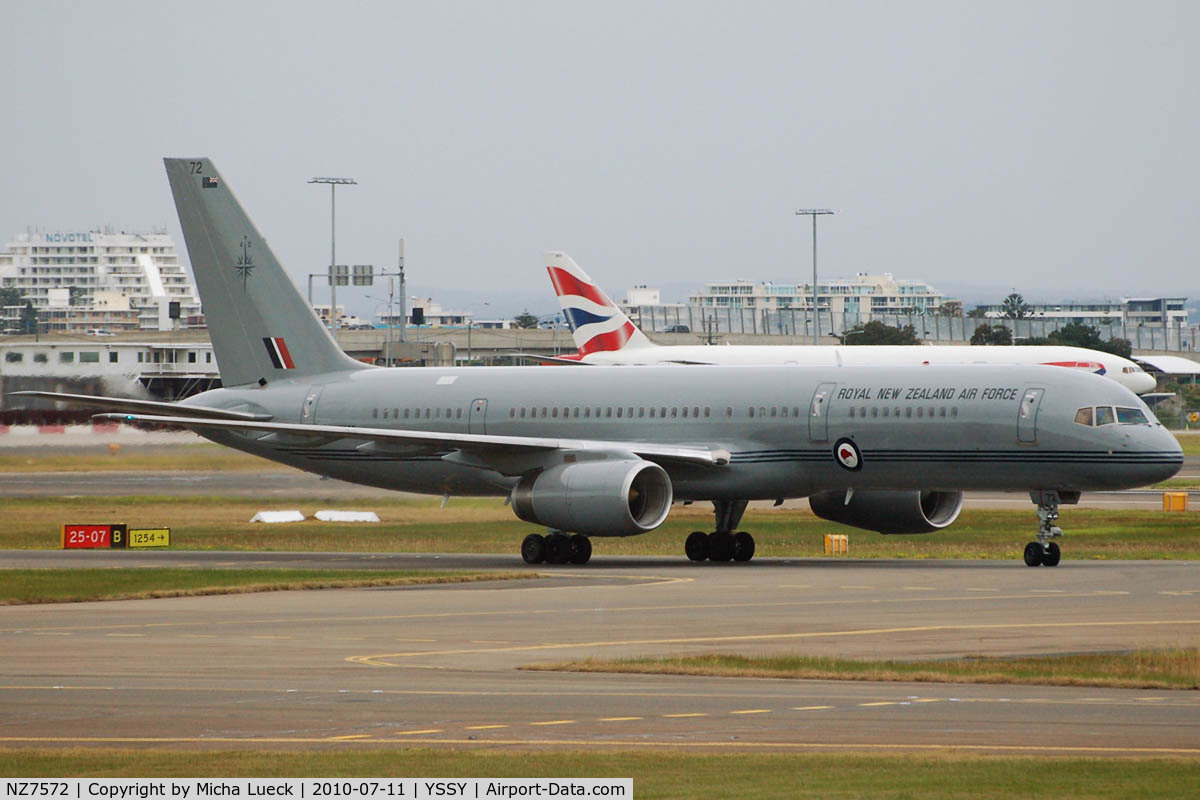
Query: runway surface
x=439 y=665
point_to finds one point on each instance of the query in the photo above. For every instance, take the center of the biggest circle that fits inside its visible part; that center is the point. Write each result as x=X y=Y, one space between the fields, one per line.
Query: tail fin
x=596 y=322
x=261 y=327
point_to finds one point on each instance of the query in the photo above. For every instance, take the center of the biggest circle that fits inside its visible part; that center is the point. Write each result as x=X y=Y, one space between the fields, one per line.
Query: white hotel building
x=128 y=279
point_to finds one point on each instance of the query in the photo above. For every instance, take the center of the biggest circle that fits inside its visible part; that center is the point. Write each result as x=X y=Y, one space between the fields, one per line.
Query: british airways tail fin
x=596 y=322
x=261 y=327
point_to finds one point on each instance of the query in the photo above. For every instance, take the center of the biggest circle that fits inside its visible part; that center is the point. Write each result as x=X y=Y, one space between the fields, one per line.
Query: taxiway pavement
x=440 y=665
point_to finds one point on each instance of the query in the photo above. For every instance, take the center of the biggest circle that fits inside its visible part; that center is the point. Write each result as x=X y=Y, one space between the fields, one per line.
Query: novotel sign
x=67 y=237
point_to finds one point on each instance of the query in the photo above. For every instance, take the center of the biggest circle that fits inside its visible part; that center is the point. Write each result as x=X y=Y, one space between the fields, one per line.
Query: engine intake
x=890 y=512
x=596 y=498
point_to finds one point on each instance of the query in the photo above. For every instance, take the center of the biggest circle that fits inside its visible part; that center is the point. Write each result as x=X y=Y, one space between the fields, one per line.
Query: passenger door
x=818 y=413
x=477 y=419
x=1027 y=415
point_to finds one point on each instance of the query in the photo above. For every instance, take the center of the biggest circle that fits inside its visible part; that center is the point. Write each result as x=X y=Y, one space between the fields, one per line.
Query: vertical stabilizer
x=597 y=324
x=261 y=327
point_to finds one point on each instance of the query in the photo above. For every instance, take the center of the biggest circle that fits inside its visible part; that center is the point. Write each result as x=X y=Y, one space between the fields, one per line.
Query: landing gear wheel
x=720 y=546
x=743 y=546
x=1033 y=554
x=1051 y=556
x=1044 y=551
x=558 y=548
x=533 y=549
x=696 y=546
x=580 y=549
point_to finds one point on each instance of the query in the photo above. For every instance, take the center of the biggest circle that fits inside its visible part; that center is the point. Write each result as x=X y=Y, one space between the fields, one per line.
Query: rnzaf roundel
x=596 y=323
x=847 y=454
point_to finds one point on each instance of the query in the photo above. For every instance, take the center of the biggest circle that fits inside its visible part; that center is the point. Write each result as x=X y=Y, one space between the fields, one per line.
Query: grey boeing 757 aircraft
x=606 y=451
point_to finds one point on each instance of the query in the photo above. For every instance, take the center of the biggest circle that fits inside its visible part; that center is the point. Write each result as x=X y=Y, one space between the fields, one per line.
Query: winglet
x=597 y=323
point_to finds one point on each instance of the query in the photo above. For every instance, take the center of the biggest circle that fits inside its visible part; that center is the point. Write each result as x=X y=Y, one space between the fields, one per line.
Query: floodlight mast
x=333 y=184
x=814 y=213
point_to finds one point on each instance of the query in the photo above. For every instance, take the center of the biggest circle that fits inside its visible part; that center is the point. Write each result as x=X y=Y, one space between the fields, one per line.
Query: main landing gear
x=722 y=544
x=557 y=548
x=1044 y=552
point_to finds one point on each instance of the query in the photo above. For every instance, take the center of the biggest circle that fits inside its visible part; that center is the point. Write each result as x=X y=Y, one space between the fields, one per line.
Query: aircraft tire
x=720 y=546
x=558 y=548
x=533 y=549
x=743 y=546
x=1033 y=554
x=579 y=549
x=696 y=546
x=1052 y=556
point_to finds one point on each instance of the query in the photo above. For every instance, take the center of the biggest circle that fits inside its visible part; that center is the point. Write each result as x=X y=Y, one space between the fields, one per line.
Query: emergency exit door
x=1027 y=415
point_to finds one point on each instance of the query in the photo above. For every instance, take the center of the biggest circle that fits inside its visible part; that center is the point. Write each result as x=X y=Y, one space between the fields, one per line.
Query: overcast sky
x=1049 y=147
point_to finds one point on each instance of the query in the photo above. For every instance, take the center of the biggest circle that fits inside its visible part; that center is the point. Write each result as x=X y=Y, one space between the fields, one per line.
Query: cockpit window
x=1103 y=415
x=1131 y=416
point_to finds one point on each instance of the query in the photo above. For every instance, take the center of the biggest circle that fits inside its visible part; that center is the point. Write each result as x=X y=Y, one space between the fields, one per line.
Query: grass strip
x=661 y=773
x=1146 y=669
x=485 y=525
x=27 y=586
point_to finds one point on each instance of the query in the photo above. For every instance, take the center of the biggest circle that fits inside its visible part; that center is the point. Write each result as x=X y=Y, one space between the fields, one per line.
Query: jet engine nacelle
x=889 y=512
x=596 y=498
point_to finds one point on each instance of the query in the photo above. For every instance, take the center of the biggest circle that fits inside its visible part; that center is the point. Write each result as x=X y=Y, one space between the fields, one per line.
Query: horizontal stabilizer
x=143 y=406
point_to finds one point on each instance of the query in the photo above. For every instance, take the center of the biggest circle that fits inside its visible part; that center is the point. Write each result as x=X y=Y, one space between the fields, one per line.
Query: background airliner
x=605 y=335
x=606 y=451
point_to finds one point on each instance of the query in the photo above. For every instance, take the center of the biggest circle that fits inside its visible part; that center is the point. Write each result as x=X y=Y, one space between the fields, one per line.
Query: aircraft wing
x=144 y=406
x=540 y=359
x=506 y=454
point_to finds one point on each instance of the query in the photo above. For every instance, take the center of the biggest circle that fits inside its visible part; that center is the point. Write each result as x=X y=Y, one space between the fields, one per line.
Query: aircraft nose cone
x=1142 y=383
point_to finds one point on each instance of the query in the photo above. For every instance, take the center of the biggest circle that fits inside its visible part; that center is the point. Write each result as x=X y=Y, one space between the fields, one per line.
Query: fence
x=931 y=328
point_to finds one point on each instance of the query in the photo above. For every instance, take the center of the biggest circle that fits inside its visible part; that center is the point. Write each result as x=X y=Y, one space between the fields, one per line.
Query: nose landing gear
x=1044 y=552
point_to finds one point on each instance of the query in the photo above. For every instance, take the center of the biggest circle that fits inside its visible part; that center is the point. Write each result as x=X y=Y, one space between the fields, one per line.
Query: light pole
x=333 y=184
x=814 y=213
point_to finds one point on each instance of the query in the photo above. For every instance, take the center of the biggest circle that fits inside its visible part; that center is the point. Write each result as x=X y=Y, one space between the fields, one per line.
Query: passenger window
x=512 y=412
x=406 y=413
x=886 y=410
x=795 y=411
x=375 y=413
x=851 y=412
x=662 y=412
x=1104 y=415
x=385 y=413
x=729 y=411
x=608 y=411
x=641 y=411
x=576 y=413
x=522 y=413
x=942 y=411
x=920 y=412
x=706 y=410
x=751 y=412
x=629 y=412
x=874 y=412
x=619 y=410
x=1084 y=416
x=774 y=411
x=587 y=412
x=685 y=412
x=695 y=411
x=554 y=412
x=862 y=411
x=1131 y=416
x=427 y=413
x=908 y=412
x=954 y=411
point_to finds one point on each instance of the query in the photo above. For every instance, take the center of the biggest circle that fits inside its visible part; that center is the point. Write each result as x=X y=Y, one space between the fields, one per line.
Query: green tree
x=1076 y=334
x=10 y=297
x=29 y=319
x=875 y=332
x=976 y=313
x=992 y=334
x=1015 y=307
x=525 y=320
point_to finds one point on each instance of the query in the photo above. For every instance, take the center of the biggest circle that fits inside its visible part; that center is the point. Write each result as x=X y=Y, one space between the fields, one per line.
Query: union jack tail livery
x=597 y=324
